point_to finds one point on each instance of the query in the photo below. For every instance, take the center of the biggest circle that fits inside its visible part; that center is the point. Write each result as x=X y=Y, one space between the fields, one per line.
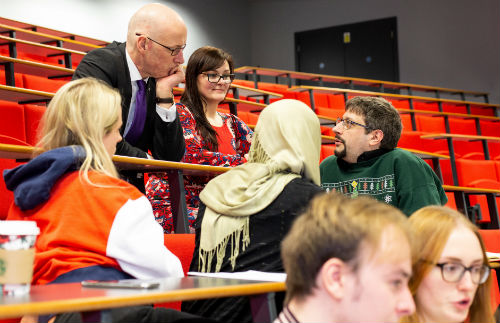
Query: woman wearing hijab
x=246 y=212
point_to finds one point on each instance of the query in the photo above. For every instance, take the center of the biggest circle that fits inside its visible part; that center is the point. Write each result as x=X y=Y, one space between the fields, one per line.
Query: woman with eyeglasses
x=450 y=281
x=212 y=137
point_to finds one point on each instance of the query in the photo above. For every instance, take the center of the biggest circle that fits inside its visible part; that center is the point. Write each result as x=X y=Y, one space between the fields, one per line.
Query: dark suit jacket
x=164 y=139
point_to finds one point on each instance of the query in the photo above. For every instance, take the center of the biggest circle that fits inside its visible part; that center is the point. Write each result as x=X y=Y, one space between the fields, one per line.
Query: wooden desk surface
x=37 y=48
x=426 y=154
x=150 y=165
x=324 y=139
x=44 y=37
x=178 y=90
x=9 y=151
x=324 y=120
x=260 y=106
x=451 y=188
x=319 y=89
x=60 y=33
x=459 y=137
x=250 y=91
x=327 y=139
x=126 y=163
x=36 y=68
x=17 y=94
x=72 y=297
x=448 y=114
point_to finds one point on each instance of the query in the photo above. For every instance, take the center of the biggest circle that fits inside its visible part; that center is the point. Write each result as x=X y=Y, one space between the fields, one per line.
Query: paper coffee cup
x=17 y=253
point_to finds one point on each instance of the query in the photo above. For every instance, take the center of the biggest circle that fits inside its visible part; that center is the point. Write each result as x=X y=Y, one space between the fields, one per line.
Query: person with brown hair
x=347 y=260
x=367 y=162
x=212 y=137
x=451 y=275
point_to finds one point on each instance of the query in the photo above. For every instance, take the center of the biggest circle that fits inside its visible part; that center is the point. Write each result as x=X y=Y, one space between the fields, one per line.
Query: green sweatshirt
x=396 y=177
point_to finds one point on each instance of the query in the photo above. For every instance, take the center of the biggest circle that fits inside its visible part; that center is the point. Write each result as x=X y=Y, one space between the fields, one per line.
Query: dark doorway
x=365 y=50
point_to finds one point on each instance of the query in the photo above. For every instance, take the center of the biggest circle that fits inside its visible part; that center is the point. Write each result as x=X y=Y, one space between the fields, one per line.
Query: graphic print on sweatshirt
x=382 y=188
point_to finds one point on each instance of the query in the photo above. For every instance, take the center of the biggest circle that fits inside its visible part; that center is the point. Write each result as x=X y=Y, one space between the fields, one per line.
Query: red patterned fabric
x=157 y=189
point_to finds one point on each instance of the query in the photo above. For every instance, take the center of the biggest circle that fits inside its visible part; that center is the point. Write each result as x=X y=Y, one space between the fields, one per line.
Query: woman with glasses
x=450 y=281
x=212 y=138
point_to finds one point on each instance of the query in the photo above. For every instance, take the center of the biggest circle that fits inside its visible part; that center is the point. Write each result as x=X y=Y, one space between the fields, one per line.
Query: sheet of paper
x=249 y=275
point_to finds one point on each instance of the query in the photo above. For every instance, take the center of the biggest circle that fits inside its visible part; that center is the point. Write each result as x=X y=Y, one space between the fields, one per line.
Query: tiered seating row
x=423 y=115
x=19 y=122
x=256 y=72
x=12 y=66
x=247 y=111
x=23 y=49
x=335 y=98
x=424 y=118
x=18 y=126
x=46 y=38
x=49 y=31
x=30 y=42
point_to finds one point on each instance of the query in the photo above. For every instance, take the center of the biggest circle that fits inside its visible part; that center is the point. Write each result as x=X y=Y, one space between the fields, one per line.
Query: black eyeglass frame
x=173 y=51
x=482 y=279
x=347 y=124
x=207 y=74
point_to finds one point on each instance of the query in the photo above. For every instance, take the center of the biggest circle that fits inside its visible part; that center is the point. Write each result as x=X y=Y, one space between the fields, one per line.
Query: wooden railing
x=255 y=72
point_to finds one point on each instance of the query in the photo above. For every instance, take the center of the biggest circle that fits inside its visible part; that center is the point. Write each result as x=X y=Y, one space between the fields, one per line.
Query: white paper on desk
x=248 y=275
x=493 y=256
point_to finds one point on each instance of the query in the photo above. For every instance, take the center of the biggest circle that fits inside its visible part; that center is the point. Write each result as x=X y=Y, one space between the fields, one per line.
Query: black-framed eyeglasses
x=173 y=51
x=215 y=77
x=453 y=272
x=347 y=124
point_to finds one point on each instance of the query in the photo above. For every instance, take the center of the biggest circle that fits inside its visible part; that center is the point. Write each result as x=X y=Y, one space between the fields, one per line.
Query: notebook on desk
x=248 y=275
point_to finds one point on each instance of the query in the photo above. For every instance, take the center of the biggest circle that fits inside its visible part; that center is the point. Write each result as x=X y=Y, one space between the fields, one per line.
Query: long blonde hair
x=432 y=226
x=81 y=113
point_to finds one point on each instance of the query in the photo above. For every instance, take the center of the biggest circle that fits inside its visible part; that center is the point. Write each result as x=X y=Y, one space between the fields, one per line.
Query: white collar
x=134 y=72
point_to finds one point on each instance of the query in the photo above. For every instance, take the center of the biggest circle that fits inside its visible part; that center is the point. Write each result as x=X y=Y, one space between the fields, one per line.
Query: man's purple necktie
x=137 y=125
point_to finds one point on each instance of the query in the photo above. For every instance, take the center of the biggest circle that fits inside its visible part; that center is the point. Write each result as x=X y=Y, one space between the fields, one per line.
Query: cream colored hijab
x=286 y=145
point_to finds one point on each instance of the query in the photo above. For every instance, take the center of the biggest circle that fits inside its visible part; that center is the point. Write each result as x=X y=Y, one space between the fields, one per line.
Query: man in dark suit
x=153 y=53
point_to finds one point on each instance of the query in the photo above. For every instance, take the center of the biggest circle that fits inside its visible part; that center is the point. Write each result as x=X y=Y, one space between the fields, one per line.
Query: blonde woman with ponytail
x=76 y=117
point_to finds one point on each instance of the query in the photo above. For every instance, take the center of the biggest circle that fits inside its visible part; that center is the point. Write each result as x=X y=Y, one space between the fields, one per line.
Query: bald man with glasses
x=145 y=69
x=367 y=162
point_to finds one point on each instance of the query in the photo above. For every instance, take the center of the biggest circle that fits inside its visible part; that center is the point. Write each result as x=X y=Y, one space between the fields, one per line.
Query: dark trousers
x=137 y=314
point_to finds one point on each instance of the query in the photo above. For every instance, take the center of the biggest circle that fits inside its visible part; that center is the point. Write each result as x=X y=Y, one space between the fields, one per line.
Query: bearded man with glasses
x=367 y=162
x=144 y=70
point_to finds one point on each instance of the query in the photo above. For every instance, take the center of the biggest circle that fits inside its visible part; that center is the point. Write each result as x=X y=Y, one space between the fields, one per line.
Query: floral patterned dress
x=157 y=189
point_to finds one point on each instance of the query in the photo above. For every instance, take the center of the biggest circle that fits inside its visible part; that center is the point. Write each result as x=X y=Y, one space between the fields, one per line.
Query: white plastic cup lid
x=25 y=228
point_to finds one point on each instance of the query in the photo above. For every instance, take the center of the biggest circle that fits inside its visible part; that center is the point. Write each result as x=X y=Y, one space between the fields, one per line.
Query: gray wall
x=220 y=23
x=446 y=43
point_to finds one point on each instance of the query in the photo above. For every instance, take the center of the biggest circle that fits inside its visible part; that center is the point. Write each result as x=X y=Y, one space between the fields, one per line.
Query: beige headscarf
x=286 y=145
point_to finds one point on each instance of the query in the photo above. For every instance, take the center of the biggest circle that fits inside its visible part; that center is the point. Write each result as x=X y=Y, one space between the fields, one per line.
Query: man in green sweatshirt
x=367 y=162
